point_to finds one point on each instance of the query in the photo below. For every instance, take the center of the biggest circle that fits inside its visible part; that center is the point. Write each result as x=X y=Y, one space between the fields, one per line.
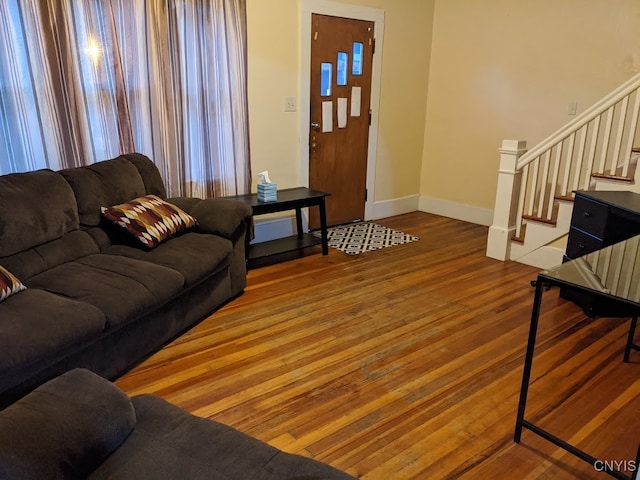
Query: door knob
x=315 y=126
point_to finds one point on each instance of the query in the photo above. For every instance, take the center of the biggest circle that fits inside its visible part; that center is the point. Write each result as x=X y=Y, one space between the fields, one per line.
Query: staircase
x=534 y=199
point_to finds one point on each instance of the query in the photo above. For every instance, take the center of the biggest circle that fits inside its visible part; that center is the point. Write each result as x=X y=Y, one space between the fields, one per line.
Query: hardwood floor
x=406 y=363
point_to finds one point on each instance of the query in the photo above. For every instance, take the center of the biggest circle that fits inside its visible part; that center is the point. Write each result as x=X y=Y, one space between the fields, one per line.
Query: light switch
x=290 y=104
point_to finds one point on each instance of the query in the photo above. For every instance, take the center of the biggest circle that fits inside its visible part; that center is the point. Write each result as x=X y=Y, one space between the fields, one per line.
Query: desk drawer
x=590 y=216
x=580 y=243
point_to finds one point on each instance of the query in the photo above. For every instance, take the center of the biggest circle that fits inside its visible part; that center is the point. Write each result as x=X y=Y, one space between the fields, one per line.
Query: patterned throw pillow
x=9 y=284
x=149 y=219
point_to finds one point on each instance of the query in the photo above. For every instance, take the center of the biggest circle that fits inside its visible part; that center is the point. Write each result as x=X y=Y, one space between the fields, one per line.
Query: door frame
x=328 y=7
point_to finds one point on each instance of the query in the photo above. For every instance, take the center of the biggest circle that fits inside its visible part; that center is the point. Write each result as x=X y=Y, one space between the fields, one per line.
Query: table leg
x=528 y=361
x=323 y=227
x=632 y=334
x=299 y=221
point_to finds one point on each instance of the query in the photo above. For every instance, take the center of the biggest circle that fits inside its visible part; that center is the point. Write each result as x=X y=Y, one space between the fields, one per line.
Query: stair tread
x=609 y=176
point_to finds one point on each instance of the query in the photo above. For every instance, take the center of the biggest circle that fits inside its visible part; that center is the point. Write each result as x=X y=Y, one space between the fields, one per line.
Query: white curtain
x=86 y=80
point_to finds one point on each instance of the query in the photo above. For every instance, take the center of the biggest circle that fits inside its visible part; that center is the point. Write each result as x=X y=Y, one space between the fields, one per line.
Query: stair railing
x=597 y=143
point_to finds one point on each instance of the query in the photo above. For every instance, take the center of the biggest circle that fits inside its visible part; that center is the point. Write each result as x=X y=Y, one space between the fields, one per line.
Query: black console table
x=605 y=275
x=288 y=199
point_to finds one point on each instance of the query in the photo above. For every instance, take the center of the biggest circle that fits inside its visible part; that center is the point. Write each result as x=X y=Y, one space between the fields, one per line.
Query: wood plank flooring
x=406 y=363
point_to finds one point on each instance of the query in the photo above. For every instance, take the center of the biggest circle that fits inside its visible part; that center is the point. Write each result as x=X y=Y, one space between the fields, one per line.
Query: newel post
x=508 y=191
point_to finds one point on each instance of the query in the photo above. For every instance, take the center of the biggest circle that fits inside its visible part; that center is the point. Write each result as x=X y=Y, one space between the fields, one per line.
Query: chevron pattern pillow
x=9 y=284
x=149 y=219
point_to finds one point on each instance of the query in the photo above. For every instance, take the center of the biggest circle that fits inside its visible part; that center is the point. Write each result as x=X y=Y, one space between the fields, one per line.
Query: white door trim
x=327 y=7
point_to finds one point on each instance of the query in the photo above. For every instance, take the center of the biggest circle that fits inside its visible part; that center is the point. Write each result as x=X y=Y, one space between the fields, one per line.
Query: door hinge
x=373 y=46
x=366 y=194
x=370 y=117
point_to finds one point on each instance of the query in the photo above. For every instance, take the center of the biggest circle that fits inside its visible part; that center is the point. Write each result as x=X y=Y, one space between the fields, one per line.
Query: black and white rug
x=363 y=237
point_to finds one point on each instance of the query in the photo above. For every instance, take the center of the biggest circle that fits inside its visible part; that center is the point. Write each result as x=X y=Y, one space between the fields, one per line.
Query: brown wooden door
x=341 y=69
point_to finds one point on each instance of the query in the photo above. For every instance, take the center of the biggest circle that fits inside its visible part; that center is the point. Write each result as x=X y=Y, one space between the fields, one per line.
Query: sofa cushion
x=122 y=288
x=33 y=261
x=35 y=208
x=37 y=328
x=9 y=284
x=149 y=219
x=109 y=182
x=195 y=255
x=64 y=429
x=171 y=443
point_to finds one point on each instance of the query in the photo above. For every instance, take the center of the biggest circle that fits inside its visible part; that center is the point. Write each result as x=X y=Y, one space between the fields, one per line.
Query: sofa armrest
x=219 y=216
x=65 y=428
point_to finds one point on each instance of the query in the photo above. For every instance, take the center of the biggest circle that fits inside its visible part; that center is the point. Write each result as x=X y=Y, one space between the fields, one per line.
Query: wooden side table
x=288 y=199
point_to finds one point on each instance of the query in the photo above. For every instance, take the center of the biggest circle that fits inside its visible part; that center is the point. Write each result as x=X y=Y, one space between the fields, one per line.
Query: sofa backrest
x=111 y=182
x=35 y=208
x=39 y=223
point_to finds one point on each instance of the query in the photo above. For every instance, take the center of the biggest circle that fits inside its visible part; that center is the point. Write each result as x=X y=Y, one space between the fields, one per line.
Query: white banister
x=633 y=125
x=535 y=185
x=605 y=139
x=619 y=133
x=580 y=157
x=567 y=165
x=504 y=213
x=592 y=152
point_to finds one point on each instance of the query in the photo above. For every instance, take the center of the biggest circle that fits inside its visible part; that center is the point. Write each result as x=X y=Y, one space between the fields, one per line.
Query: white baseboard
x=397 y=206
x=458 y=211
x=278 y=225
x=269 y=227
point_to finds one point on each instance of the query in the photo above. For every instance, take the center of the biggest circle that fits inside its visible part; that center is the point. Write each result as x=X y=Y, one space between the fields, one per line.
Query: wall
x=274 y=63
x=508 y=69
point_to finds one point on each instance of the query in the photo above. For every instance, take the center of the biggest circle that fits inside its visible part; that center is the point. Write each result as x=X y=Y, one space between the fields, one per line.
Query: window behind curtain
x=87 y=80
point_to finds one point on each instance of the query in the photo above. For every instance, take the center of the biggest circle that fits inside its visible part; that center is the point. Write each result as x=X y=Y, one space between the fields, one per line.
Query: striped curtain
x=86 y=80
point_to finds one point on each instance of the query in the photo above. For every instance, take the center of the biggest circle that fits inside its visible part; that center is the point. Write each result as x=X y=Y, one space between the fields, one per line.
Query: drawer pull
x=581 y=246
x=587 y=214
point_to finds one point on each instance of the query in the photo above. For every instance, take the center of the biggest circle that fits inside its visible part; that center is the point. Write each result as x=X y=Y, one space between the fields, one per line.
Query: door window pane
x=356 y=69
x=341 y=68
x=325 y=79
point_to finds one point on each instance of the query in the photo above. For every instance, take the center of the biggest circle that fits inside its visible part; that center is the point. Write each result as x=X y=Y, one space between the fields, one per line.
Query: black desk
x=610 y=274
x=288 y=199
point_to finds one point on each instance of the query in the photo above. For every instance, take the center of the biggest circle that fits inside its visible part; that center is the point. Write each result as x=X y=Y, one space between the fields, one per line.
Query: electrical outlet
x=572 y=109
x=290 y=104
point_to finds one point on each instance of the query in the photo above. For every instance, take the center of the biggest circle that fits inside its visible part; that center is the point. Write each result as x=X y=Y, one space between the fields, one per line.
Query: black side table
x=288 y=199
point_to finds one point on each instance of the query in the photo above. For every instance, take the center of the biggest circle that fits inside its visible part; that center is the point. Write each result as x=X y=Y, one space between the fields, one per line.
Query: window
x=325 y=79
x=356 y=68
x=342 y=64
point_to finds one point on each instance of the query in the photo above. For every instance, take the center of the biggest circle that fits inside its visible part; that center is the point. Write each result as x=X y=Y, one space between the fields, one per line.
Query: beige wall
x=508 y=69
x=273 y=74
x=274 y=64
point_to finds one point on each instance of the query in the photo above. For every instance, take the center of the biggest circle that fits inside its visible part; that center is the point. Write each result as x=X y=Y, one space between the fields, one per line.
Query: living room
x=406 y=363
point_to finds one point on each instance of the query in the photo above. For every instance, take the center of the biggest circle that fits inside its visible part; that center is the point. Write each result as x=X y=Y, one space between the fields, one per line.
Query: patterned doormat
x=358 y=238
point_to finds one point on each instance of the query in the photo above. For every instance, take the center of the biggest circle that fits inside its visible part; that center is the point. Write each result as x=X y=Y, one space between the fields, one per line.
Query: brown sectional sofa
x=95 y=298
